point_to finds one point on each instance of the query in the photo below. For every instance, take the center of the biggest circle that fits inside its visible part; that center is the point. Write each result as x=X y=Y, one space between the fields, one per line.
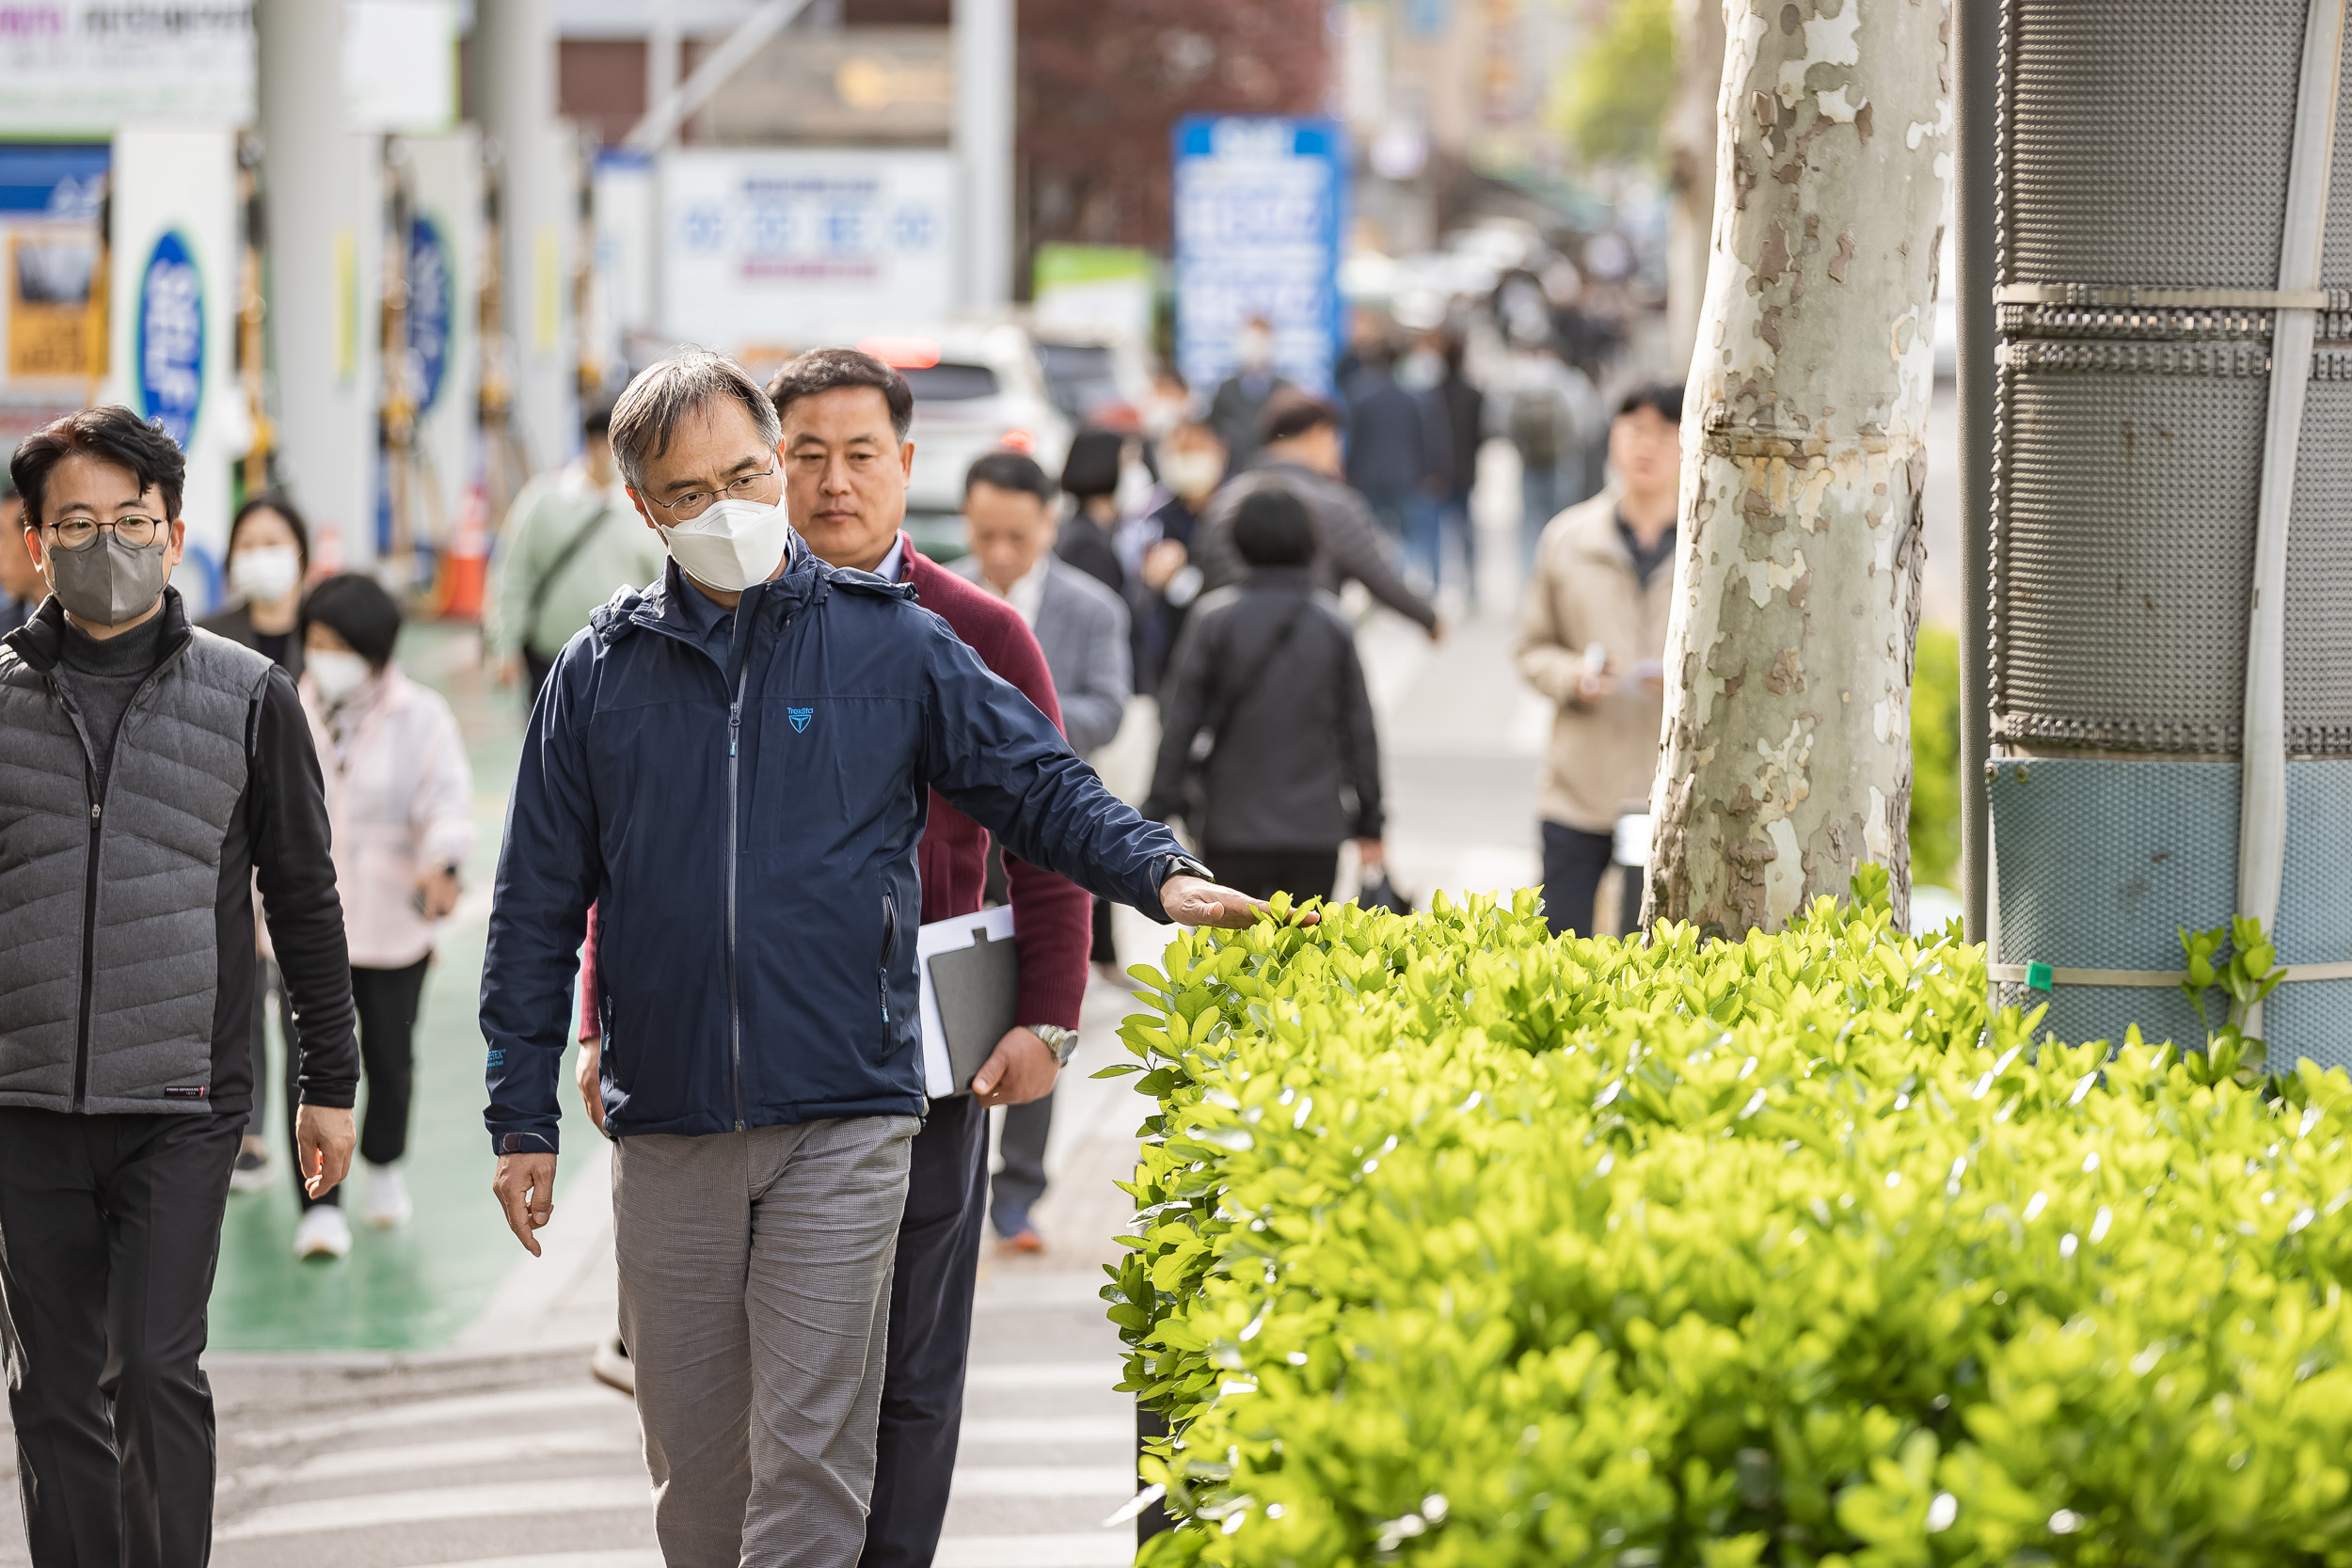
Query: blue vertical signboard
x=1260 y=213
x=172 y=338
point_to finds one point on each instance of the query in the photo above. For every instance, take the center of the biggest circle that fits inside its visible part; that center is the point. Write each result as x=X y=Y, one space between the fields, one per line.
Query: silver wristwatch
x=1062 y=1042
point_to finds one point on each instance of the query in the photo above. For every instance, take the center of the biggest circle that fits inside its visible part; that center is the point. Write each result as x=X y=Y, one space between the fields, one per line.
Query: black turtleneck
x=101 y=677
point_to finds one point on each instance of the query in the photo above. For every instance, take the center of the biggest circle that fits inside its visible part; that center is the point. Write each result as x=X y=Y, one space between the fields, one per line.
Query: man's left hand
x=1198 y=901
x=1020 y=1070
x=323 y=1139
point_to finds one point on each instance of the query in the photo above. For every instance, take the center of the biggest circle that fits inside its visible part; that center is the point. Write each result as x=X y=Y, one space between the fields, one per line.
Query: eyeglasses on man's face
x=80 y=534
x=693 y=503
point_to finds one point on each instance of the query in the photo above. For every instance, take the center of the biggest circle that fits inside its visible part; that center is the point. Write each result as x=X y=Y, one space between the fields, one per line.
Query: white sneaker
x=323 y=1233
x=388 y=1198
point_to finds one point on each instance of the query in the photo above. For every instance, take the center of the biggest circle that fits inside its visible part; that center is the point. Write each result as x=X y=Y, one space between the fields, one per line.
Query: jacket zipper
x=882 y=969
x=735 y=990
x=90 y=872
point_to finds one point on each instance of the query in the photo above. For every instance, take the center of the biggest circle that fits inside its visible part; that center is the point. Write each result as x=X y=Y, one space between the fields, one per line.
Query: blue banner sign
x=1260 y=213
x=171 y=337
x=432 y=299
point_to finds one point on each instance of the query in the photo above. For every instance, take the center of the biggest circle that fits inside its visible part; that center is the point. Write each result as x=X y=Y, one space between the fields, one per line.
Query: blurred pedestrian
x=1463 y=408
x=1082 y=628
x=1548 y=411
x=20 y=589
x=1398 y=458
x=1166 y=582
x=269 y=560
x=154 y=770
x=1592 y=637
x=400 y=795
x=571 y=540
x=1239 y=401
x=1090 y=477
x=734 y=766
x=1267 y=746
x=1302 y=456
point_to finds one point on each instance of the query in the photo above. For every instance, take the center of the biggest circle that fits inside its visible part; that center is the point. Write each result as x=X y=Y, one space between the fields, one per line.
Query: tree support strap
x=2044 y=977
x=2263 y=796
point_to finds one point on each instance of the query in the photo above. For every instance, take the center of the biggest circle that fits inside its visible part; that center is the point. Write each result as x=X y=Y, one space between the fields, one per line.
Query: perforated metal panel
x=2319 y=573
x=2147 y=143
x=2100 y=861
x=2126 y=548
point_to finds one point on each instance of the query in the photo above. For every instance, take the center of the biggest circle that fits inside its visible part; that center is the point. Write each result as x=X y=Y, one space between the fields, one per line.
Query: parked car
x=976 y=389
x=1094 y=383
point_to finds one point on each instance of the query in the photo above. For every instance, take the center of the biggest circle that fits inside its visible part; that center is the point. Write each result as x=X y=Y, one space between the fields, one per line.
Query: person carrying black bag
x=1267 y=745
x=571 y=539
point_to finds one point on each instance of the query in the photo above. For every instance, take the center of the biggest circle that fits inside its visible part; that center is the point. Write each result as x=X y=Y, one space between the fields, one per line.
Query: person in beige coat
x=1592 y=637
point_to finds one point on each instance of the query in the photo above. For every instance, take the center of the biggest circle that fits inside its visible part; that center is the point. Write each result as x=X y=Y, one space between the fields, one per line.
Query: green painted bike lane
x=417 y=1287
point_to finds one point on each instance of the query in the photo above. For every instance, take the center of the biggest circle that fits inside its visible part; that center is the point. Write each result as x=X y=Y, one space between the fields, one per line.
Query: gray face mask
x=107 y=583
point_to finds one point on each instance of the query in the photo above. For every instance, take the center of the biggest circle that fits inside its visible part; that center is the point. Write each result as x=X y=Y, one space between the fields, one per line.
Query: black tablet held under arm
x=978 y=989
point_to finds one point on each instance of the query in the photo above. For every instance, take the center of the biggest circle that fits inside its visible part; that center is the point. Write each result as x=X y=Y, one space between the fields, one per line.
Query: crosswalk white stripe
x=1098 y=1549
x=584 y=1396
x=464 y=1451
x=1044 y=1374
x=1044 y=1480
x=510 y=1500
x=1049 y=1429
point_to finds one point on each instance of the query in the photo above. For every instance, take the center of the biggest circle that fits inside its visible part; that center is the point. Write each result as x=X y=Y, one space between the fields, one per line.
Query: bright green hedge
x=1463 y=1246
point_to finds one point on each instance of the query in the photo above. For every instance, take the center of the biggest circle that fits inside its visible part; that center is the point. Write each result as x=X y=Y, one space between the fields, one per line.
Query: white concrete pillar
x=983 y=51
x=323 y=204
x=515 y=51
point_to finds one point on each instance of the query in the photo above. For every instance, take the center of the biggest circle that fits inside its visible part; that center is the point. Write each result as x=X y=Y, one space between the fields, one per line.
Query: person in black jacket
x=1090 y=477
x=157 y=773
x=1266 y=673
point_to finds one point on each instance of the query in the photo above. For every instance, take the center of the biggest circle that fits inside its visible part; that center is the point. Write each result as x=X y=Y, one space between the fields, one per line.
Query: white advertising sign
x=173 y=333
x=82 y=66
x=768 y=251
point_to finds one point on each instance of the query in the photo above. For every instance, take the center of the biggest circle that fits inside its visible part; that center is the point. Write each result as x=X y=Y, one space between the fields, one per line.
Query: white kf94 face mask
x=733 y=546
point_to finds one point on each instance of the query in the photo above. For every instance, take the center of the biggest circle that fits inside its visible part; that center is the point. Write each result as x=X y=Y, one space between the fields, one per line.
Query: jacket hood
x=41 y=639
x=805 y=580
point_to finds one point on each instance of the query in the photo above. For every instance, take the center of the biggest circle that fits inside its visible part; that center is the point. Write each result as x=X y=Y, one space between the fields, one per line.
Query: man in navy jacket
x=734 y=766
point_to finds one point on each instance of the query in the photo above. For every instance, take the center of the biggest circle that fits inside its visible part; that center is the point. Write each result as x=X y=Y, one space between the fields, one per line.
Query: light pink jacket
x=400 y=800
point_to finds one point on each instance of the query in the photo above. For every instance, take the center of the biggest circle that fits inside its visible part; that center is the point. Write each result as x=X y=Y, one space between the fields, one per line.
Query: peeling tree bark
x=1689 y=139
x=1788 y=742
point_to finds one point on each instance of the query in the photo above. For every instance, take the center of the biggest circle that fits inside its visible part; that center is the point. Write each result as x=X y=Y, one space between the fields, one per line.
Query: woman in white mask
x=269 y=556
x=399 y=798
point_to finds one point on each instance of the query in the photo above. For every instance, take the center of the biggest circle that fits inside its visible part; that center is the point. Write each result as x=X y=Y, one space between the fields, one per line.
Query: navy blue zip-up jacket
x=748 y=833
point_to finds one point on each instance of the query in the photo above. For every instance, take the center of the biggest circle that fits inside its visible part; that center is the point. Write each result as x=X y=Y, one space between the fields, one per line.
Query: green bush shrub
x=1461 y=1247
x=1935 y=759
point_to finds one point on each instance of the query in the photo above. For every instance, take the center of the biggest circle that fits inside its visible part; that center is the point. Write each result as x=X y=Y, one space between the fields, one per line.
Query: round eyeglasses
x=80 y=534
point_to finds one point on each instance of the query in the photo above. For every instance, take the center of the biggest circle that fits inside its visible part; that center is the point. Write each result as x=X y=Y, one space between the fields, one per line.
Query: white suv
x=976 y=389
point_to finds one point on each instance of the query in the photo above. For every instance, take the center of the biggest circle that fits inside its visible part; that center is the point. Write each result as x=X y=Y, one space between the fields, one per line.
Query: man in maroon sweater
x=857 y=526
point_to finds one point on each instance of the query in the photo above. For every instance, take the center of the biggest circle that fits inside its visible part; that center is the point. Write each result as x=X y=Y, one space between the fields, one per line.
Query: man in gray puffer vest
x=153 y=770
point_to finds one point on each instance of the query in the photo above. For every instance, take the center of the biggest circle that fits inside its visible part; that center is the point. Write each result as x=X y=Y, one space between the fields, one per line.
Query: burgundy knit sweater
x=1051 y=916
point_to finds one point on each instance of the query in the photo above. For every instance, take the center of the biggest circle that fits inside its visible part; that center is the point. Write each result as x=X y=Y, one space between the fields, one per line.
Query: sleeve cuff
x=522 y=1143
x=331 y=1097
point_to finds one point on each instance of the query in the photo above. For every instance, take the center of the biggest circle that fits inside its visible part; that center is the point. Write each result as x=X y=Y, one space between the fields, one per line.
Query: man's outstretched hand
x=1198 y=901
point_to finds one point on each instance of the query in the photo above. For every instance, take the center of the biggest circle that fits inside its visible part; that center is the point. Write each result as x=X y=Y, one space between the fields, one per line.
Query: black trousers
x=535 y=669
x=109 y=1230
x=1021 y=1178
x=1574 y=863
x=387 y=1001
x=931 y=1334
x=1263 y=873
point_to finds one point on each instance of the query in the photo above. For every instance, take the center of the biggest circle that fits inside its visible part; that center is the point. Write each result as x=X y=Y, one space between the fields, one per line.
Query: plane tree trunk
x=1786 y=749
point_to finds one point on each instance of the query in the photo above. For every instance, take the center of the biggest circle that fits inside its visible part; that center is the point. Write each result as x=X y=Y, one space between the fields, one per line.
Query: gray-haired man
x=734 y=765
